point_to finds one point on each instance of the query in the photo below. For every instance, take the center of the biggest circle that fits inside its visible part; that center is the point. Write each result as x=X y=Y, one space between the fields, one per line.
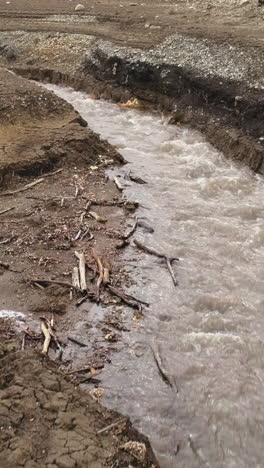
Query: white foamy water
x=210 y=329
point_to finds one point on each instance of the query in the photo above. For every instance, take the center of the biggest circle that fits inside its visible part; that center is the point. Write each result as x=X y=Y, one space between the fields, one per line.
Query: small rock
x=79 y=7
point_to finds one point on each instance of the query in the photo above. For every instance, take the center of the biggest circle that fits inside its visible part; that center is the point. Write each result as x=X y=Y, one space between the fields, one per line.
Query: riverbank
x=209 y=78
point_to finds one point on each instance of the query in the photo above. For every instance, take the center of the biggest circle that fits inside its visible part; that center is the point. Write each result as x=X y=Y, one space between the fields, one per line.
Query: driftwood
x=81 y=259
x=75 y=278
x=22 y=189
x=161 y=369
x=126 y=298
x=101 y=273
x=168 y=260
x=46 y=282
x=6 y=211
x=46 y=332
x=132 y=230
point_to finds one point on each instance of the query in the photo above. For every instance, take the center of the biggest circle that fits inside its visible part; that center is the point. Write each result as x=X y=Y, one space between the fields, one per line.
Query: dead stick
x=81 y=259
x=168 y=261
x=8 y=209
x=45 y=282
x=110 y=426
x=50 y=174
x=47 y=336
x=75 y=278
x=101 y=273
x=77 y=342
x=22 y=189
x=161 y=369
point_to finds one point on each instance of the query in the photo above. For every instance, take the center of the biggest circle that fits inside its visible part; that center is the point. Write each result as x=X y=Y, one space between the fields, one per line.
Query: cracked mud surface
x=47 y=422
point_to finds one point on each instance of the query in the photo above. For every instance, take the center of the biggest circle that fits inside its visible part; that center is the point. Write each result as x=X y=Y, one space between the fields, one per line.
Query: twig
x=6 y=241
x=47 y=336
x=8 y=209
x=81 y=259
x=126 y=298
x=161 y=369
x=23 y=341
x=132 y=230
x=110 y=426
x=23 y=189
x=85 y=234
x=167 y=259
x=82 y=345
x=101 y=273
x=47 y=282
x=50 y=174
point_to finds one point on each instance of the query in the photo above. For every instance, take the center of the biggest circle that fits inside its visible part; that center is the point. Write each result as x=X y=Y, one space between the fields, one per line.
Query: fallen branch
x=22 y=189
x=47 y=282
x=81 y=259
x=126 y=298
x=167 y=259
x=101 y=273
x=161 y=369
x=48 y=332
x=8 y=209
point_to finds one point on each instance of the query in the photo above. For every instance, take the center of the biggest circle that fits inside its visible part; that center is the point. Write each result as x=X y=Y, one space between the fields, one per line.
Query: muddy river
x=209 y=330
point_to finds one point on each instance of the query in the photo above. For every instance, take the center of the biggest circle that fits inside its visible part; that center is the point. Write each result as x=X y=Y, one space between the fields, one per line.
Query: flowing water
x=210 y=329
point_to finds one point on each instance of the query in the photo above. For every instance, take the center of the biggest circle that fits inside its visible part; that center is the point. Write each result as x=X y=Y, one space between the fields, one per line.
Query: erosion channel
x=208 y=331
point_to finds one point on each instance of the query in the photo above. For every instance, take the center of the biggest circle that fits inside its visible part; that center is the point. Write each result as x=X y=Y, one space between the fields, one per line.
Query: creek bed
x=210 y=329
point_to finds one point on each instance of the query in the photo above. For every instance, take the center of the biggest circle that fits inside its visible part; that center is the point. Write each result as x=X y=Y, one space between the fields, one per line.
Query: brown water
x=210 y=329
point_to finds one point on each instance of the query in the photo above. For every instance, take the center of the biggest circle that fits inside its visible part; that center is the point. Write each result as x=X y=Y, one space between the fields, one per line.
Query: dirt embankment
x=45 y=219
x=200 y=61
